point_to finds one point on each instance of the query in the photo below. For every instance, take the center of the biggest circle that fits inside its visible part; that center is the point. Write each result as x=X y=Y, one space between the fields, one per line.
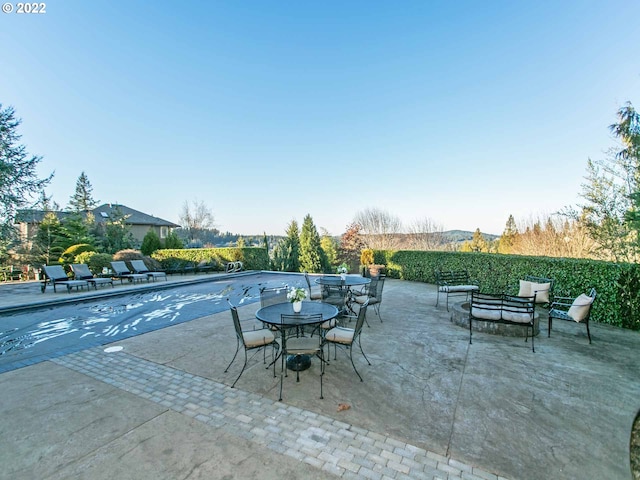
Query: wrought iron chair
x=347 y=337
x=579 y=310
x=335 y=292
x=271 y=296
x=373 y=294
x=297 y=346
x=251 y=340
x=315 y=291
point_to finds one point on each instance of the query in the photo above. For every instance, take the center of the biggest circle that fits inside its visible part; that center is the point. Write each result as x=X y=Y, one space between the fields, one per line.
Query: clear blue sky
x=460 y=111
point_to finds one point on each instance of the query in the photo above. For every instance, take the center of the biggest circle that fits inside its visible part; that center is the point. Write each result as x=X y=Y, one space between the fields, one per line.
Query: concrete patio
x=431 y=405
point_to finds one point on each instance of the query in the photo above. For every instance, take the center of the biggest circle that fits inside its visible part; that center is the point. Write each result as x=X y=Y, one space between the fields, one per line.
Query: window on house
x=164 y=231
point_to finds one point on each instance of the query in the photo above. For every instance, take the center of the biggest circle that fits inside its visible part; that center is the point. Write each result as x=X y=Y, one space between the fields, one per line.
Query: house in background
x=139 y=223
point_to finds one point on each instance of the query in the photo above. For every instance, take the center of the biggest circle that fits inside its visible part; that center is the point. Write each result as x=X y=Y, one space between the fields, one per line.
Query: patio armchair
x=271 y=296
x=347 y=337
x=140 y=267
x=578 y=310
x=56 y=275
x=251 y=340
x=81 y=272
x=121 y=271
x=336 y=293
x=454 y=283
x=315 y=291
x=373 y=294
x=297 y=346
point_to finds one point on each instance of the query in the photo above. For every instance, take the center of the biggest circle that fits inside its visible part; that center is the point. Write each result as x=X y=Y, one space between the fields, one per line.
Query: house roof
x=101 y=214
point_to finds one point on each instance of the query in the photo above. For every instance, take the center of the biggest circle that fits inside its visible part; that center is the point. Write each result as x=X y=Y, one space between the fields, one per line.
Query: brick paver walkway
x=323 y=442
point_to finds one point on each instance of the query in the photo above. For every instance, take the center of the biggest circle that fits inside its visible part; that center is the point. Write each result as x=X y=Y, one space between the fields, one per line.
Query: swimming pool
x=36 y=335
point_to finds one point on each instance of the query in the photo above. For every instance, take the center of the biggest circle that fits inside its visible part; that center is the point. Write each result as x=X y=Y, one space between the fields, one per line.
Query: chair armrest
x=560 y=304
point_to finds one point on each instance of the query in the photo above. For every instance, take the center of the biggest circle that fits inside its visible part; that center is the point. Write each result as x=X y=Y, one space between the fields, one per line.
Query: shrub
x=128 y=254
x=150 y=243
x=617 y=284
x=366 y=257
x=70 y=253
x=95 y=261
x=252 y=258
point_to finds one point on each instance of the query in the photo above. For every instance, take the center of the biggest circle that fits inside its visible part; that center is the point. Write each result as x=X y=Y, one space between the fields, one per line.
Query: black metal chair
x=347 y=337
x=335 y=292
x=576 y=310
x=315 y=291
x=297 y=346
x=251 y=340
x=373 y=294
x=271 y=296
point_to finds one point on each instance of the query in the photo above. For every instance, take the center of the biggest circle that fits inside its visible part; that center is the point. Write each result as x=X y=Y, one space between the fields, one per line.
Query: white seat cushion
x=458 y=288
x=340 y=335
x=256 y=338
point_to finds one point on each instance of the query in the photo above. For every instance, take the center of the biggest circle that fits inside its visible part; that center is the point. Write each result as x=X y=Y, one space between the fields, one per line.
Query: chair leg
x=241 y=371
x=234 y=355
x=549 y=327
x=588 y=333
x=353 y=364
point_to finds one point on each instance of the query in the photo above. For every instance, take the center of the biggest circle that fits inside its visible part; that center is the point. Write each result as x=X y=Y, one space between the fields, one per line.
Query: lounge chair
x=81 y=272
x=56 y=275
x=121 y=271
x=140 y=267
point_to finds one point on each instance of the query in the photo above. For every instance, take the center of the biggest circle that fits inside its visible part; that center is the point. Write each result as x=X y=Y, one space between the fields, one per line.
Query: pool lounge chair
x=140 y=267
x=81 y=272
x=56 y=275
x=121 y=271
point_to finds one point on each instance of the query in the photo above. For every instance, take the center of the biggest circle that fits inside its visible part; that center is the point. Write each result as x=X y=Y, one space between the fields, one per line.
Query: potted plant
x=342 y=270
x=296 y=295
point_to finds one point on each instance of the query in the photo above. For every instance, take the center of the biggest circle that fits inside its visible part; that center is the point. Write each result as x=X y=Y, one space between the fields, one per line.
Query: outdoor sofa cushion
x=458 y=288
x=580 y=307
x=527 y=289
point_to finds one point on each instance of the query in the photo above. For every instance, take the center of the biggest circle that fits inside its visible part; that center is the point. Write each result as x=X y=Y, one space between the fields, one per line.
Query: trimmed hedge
x=252 y=258
x=617 y=284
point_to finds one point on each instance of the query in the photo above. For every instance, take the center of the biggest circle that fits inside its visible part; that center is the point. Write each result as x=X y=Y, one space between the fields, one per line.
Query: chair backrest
x=81 y=271
x=55 y=272
x=271 y=296
x=120 y=268
x=362 y=316
x=306 y=277
x=372 y=287
x=236 y=323
x=379 y=287
x=139 y=266
x=298 y=319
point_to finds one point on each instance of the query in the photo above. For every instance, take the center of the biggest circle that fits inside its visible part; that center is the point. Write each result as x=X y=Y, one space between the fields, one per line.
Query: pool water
x=39 y=334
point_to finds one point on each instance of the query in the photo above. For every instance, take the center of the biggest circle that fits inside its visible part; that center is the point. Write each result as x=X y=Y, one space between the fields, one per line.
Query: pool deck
x=431 y=406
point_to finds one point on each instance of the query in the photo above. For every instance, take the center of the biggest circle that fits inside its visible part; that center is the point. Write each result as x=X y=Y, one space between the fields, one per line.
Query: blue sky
x=463 y=112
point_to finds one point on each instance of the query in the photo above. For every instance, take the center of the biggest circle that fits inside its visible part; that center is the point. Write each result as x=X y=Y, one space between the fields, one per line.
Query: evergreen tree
x=117 y=235
x=265 y=241
x=173 y=241
x=50 y=241
x=18 y=179
x=508 y=238
x=330 y=248
x=477 y=244
x=150 y=243
x=312 y=257
x=82 y=201
x=292 y=248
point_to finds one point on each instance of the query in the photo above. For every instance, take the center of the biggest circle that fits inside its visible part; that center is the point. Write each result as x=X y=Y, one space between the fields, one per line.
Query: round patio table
x=272 y=315
x=347 y=282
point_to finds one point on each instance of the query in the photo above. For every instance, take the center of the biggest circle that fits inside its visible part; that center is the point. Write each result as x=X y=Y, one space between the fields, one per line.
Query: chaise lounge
x=56 y=275
x=140 y=267
x=81 y=272
x=122 y=272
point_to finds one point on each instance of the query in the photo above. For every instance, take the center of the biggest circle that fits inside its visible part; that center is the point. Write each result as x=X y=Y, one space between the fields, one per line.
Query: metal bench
x=454 y=283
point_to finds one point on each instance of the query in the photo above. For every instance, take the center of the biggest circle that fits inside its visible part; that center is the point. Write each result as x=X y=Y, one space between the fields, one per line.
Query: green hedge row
x=252 y=258
x=617 y=284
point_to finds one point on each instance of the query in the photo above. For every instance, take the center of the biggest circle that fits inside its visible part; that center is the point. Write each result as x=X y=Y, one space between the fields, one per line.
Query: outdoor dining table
x=272 y=315
x=345 y=282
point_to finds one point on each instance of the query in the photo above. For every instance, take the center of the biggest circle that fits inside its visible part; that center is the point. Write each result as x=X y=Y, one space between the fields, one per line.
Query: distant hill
x=459 y=236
